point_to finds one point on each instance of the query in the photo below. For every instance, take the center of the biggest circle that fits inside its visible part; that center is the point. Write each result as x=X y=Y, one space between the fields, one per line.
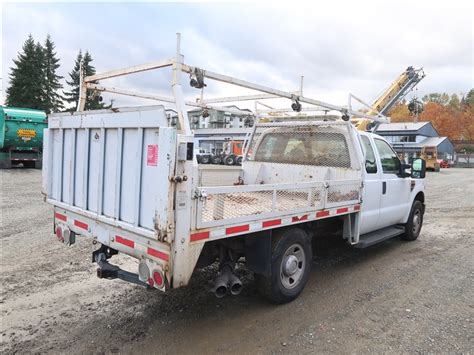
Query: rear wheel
x=205 y=159
x=216 y=160
x=239 y=161
x=290 y=266
x=415 y=222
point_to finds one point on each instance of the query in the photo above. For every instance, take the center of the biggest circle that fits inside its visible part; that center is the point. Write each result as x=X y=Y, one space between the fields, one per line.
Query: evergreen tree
x=72 y=96
x=52 y=100
x=26 y=77
x=454 y=103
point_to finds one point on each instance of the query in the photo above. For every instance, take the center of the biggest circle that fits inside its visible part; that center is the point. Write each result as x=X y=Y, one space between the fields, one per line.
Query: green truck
x=21 y=137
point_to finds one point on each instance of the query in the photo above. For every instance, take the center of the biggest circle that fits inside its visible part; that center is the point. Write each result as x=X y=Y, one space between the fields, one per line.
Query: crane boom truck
x=395 y=92
x=127 y=180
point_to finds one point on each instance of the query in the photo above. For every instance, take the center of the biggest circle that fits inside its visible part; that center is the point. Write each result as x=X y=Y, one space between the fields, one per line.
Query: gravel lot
x=398 y=297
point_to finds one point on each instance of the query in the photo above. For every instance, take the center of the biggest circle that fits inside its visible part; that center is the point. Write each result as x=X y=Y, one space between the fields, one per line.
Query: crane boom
x=396 y=91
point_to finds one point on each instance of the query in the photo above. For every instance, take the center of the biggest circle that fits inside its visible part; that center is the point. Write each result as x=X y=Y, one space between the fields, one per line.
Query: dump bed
x=112 y=167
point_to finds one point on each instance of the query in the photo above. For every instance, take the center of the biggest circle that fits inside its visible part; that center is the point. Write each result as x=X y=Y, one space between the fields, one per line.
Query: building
x=409 y=138
x=212 y=118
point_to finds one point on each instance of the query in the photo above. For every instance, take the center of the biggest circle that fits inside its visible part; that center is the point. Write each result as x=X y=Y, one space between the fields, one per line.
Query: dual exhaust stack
x=227 y=281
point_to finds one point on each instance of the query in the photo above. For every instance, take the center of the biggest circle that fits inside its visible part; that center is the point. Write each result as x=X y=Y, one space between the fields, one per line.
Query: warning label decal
x=152 y=155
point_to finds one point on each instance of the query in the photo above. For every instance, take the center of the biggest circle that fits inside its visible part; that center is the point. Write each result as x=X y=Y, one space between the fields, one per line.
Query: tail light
x=158 y=278
x=59 y=234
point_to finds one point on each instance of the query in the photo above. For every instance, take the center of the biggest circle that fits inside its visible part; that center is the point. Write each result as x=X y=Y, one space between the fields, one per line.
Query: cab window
x=370 y=164
x=308 y=148
x=388 y=158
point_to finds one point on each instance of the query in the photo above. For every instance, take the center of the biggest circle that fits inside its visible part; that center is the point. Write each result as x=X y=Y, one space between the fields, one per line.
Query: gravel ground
x=397 y=297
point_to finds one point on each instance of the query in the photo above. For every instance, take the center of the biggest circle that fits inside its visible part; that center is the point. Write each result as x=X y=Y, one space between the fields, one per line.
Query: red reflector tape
x=342 y=210
x=60 y=216
x=357 y=208
x=298 y=219
x=199 y=236
x=321 y=214
x=274 y=222
x=158 y=254
x=237 y=229
x=127 y=242
x=80 y=224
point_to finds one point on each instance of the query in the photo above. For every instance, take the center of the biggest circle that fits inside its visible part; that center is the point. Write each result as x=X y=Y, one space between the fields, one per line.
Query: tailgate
x=114 y=165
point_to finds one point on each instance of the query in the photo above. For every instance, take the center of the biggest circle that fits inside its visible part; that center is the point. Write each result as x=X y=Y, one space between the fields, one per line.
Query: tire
x=290 y=266
x=238 y=161
x=229 y=160
x=205 y=159
x=216 y=160
x=5 y=164
x=415 y=222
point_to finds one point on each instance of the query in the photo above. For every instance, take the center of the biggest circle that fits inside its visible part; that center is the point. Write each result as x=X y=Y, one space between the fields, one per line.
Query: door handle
x=384 y=187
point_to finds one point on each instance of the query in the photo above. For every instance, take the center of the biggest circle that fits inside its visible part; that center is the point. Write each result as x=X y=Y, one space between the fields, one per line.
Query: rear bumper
x=154 y=254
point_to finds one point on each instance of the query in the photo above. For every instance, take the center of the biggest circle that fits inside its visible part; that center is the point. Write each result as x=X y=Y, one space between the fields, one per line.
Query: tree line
x=451 y=115
x=35 y=83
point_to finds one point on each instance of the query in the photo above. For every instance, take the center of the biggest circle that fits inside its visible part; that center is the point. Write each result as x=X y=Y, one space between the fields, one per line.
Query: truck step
x=381 y=235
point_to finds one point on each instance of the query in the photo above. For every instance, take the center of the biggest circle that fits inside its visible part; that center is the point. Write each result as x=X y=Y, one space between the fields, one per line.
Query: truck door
x=372 y=193
x=395 y=199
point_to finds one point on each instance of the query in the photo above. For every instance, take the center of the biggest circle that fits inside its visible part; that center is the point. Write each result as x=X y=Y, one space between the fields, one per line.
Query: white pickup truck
x=127 y=180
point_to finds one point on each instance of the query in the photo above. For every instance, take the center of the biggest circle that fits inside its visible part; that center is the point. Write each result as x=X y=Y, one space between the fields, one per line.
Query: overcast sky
x=339 y=47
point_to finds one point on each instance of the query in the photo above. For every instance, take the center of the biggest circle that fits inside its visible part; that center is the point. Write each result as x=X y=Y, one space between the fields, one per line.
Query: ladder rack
x=197 y=76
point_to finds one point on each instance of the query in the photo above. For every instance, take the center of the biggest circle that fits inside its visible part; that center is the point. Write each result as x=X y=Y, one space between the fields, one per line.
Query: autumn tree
x=450 y=115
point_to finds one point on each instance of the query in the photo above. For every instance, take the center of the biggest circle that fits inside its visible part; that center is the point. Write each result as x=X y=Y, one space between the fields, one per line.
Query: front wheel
x=290 y=268
x=415 y=222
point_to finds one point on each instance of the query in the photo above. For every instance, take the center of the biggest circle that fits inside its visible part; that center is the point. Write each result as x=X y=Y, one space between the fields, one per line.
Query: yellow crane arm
x=397 y=90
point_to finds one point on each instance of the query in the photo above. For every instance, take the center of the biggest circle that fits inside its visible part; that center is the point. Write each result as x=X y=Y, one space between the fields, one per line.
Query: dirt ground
x=397 y=297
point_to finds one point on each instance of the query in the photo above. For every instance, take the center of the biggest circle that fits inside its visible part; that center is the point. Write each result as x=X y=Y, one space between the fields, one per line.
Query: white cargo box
x=114 y=166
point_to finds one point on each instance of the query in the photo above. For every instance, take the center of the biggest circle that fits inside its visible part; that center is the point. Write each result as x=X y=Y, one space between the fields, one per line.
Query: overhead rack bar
x=197 y=80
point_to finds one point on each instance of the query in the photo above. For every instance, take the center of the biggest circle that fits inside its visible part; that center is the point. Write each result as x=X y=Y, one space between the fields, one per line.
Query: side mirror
x=418 y=168
x=402 y=173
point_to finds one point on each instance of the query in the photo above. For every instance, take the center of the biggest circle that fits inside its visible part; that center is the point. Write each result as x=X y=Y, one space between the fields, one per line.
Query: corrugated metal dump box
x=113 y=166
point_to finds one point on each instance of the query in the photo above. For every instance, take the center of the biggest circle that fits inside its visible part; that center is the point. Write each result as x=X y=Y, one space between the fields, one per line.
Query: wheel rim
x=292 y=266
x=416 y=222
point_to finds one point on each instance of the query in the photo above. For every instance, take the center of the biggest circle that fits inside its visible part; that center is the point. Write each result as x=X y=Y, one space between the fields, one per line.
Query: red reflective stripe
x=322 y=214
x=158 y=254
x=273 y=222
x=199 y=236
x=357 y=208
x=127 y=242
x=342 y=210
x=60 y=216
x=298 y=219
x=81 y=224
x=237 y=229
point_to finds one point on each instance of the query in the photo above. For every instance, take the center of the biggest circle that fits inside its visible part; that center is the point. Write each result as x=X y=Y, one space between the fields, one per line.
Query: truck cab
x=389 y=192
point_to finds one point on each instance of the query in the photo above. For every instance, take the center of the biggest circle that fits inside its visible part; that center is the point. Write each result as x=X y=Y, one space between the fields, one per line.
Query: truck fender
x=420 y=196
x=258 y=252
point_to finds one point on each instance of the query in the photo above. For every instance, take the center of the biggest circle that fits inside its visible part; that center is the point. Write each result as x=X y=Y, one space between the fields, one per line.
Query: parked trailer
x=21 y=136
x=128 y=181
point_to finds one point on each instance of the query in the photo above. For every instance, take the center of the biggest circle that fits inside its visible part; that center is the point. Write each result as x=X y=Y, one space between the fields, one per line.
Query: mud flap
x=258 y=252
